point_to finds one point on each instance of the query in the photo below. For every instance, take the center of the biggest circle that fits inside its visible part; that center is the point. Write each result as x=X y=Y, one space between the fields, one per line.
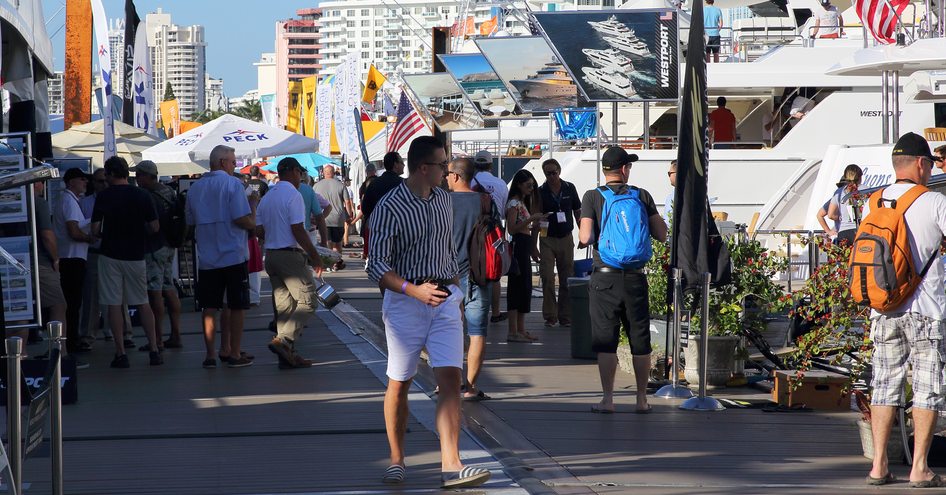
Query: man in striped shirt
x=414 y=261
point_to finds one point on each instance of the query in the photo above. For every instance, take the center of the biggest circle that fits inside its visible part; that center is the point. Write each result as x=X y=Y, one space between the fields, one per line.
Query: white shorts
x=410 y=325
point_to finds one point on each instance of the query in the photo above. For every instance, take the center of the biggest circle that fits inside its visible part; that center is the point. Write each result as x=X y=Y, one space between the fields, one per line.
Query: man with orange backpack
x=893 y=270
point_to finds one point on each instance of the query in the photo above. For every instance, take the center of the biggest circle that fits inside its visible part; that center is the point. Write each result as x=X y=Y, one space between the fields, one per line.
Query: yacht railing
x=803 y=259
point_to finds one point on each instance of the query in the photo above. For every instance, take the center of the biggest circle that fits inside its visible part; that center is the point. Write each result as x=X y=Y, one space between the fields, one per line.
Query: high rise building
x=55 y=93
x=266 y=74
x=298 y=54
x=178 y=56
x=216 y=99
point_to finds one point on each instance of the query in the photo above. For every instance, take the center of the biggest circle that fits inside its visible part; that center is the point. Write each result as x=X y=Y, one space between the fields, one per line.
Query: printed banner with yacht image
x=533 y=75
x=482 y=86
x=443 y=101
x=617 y=55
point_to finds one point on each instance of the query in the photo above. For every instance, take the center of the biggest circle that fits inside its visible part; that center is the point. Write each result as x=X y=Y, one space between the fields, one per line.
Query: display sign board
x=36 y=378
x=617 y=55
x=532 y=73
x=21 y=298
x=443 y=101
x=482 y=86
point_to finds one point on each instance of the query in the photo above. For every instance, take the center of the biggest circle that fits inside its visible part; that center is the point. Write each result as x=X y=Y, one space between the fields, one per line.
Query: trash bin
x=581 y=318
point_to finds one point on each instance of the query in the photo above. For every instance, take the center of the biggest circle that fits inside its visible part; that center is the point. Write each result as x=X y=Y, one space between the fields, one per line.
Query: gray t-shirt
x=43 y=222
x=842 y=199
x=337 y=194
x=467 y=208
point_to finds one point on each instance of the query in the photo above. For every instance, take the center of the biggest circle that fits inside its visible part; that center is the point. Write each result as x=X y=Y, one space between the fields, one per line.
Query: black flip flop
x=781 y=408
x=480 y=395
x=935 y=482
x=886 y=480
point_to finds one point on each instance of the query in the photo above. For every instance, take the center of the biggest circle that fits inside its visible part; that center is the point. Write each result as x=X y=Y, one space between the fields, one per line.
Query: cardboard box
x=818 y=390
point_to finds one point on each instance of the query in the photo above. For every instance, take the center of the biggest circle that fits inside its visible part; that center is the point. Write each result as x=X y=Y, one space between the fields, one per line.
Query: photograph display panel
x=482 y=86
x=443 y=100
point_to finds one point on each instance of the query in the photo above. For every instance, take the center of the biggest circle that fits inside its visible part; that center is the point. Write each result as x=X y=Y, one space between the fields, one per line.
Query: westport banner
x=696 y=246
x=295 y=97
x=617 y=55
x=100 y=23
x=128 y=58
x=143 y=85
x=308 y=105
x=323 y=99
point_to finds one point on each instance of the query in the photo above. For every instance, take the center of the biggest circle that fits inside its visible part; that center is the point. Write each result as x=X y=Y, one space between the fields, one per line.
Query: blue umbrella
x=311 y=162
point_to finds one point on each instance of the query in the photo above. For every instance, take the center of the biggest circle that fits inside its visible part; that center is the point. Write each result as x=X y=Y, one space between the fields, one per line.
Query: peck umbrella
x=311 y=162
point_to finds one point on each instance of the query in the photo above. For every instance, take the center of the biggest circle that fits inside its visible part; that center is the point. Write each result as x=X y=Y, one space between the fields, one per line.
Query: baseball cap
x=912 y=144
x=483 y=157
x=370 y=168
x=287 y=164
x=74 y=173
x=615 y=157
x=146 y=167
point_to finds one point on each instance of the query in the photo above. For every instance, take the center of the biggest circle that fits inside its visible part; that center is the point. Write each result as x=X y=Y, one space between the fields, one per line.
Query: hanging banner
x=323 y=98
x=128 y=58
x=293 y=118
x=308 y=105
x=374 y=82
x=143 y=85
x=352 y=104
x=340 y=109
x=171 y=117
x=617 y=55
x=105 y=65
x=267 y=105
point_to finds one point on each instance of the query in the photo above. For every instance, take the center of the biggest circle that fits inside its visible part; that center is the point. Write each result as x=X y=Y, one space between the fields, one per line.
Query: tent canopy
x=311 y=162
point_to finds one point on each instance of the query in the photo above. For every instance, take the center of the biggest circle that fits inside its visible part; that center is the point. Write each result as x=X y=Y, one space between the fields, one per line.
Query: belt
x=608 y=269
x=422 y=281
x=294 y=249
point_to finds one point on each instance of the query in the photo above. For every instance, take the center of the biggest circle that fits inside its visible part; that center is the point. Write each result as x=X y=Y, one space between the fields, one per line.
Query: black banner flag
x=128 y=58
x=696 y=245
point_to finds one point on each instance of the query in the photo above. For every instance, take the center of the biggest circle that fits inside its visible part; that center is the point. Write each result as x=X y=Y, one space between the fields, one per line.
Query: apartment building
x=55 y=89
x=298 y=54
x=178 y=56
x=216 y=99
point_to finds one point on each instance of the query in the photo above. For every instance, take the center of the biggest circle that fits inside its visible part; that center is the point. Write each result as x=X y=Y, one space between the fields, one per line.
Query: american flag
x=879 y=18
x=408 y=124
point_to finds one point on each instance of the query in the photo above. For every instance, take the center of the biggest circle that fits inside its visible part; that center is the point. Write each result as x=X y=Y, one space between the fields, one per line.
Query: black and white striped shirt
x=412 y=236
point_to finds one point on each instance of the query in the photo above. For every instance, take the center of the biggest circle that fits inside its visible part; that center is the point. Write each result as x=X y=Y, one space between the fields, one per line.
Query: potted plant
x=656 y=270
x=742 y=303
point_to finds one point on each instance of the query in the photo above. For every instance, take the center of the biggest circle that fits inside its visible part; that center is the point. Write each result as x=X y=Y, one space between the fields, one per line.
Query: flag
x=100 y=23
x=879 y=18
x=407 y=125
x=388 y=106
x=143 y=85
x=308 y=105
x=323 y=101
x=487 y=27
x=171 y=118
x=696 y=246
x=267 y=105
x=374 y=82
x=128 y=58
x=295 y=97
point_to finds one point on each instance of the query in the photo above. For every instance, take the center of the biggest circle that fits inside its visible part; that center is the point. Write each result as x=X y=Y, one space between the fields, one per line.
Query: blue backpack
x=624 y=241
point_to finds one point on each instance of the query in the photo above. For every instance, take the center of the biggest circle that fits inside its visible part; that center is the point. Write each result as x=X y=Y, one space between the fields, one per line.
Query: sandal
x=517 y=338
x=889 y=478
x=597 y=409
x=467 y=477
x=478 y=396
x=529 y=336
x=394 y=474
x=935 y=482
x=550 y=322
x=498 y=318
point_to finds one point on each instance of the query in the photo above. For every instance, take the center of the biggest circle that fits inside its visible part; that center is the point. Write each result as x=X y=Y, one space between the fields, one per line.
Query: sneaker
x=281 y=349
x=155 y=358
x=82 y=365
x=241 y=362
x=210 y=363
x=120 y=362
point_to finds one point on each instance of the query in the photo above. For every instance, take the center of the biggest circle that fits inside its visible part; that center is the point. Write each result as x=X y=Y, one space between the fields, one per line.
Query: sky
x=236 y=31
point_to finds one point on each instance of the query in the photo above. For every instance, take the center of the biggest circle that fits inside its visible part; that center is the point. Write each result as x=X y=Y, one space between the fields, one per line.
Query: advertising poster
x=444 y=102
x=531 y=72
x=617 y=55
x=12 y=201
x=17 y=285
x=482 y=86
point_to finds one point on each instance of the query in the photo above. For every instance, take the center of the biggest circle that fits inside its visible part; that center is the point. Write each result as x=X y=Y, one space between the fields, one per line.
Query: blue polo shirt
x=312 y=206
x=711 y=17
x=213 y=203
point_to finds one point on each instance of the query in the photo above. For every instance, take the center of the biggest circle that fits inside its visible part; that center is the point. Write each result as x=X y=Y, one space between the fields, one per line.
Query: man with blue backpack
x=619 y=220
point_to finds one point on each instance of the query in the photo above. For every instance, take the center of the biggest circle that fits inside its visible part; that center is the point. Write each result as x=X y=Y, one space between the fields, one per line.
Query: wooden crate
x=818 y=390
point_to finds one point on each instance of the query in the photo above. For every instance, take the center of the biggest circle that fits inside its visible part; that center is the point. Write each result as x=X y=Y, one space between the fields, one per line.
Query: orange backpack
x=882 y=272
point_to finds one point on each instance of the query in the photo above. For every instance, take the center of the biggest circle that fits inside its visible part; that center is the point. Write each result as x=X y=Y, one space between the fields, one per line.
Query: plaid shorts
x=914 y=339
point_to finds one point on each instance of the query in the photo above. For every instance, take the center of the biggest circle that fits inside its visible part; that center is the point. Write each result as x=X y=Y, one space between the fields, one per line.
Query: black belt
x=422 y=281
x=608 y=269
x=294 y=249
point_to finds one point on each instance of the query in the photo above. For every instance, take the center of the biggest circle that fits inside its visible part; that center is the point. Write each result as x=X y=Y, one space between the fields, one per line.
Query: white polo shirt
x=281 y=208
x=494 y=186
x=69 y=210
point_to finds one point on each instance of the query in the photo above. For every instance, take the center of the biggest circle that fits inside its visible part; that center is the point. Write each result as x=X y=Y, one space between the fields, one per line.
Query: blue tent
x=312 y=162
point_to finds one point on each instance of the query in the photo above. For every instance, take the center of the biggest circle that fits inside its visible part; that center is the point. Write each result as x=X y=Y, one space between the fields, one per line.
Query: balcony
x=390 y=14
x=392 y=37
x=432 y=15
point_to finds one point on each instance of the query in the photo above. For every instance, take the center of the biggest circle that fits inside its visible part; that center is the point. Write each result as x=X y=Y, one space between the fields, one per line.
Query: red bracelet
x=404 y=287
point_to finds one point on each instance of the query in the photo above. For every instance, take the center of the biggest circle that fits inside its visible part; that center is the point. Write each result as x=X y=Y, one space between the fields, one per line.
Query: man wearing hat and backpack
x=618 y=220
x=907 y=320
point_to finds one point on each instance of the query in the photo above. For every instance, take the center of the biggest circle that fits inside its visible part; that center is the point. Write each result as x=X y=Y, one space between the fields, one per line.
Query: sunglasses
x=550 y=173
x=670 y=174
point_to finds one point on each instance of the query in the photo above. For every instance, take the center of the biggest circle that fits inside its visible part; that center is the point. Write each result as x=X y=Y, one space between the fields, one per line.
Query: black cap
x=74 y=173
x=287 y=164
x=615 y=157
x=912 y=144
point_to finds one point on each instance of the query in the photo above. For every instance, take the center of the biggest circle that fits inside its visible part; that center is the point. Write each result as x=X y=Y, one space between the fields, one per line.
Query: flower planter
x=720 y=360
x=895 y=453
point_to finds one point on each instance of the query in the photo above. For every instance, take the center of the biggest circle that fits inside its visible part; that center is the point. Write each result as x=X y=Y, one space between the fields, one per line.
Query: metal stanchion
x=55 y=405
x=702 y=402
x=14 y=347
x=674 y=390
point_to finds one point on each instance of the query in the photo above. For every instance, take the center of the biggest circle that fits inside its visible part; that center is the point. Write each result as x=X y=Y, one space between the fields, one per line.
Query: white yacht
x=630 y=44
x=609 y=80
x=611 y=27
x=548 y=82
x=609 y=58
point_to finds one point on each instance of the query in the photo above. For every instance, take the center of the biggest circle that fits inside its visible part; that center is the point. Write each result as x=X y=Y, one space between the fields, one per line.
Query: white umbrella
x=87 y=141
x=249 y=140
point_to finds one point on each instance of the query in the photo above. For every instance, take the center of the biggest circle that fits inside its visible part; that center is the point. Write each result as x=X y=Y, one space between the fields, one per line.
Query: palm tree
x=250 y=110
x=207 y=115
